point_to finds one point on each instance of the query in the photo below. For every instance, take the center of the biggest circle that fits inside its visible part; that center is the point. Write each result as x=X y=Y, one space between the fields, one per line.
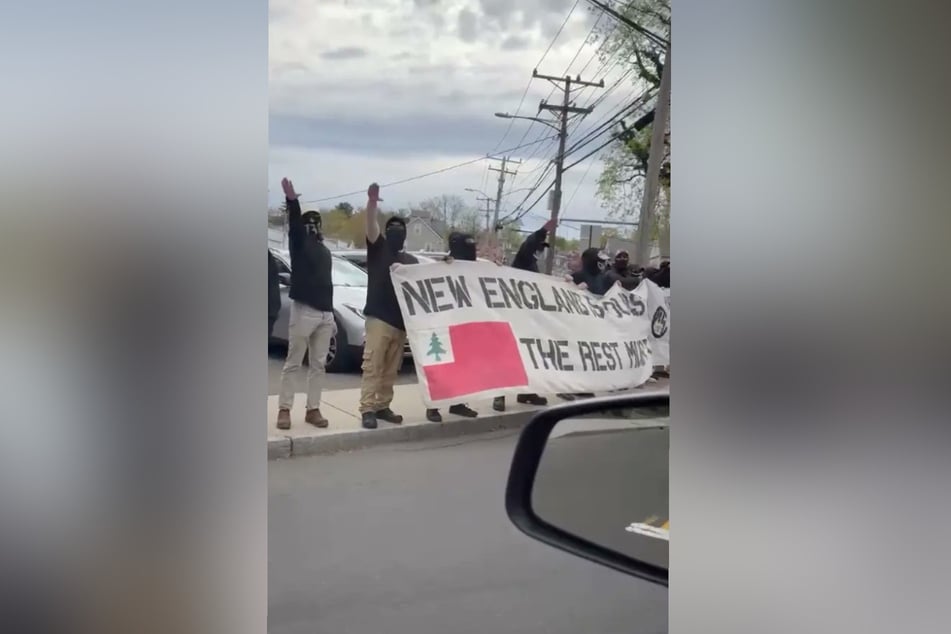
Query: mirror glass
x=604 y=478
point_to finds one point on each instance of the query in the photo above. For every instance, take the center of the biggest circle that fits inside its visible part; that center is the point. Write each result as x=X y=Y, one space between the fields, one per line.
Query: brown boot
x=283 y=419
x=314 y=418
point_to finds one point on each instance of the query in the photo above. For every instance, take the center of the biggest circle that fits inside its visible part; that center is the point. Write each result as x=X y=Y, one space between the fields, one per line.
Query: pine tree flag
x=467 y=358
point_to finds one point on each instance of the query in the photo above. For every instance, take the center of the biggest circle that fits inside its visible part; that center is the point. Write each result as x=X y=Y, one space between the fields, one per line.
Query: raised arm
x=534 y=241
x=373 y=213
x=295 y=226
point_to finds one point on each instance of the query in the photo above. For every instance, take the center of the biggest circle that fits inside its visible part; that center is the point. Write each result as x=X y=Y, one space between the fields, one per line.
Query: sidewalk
x=345 y=433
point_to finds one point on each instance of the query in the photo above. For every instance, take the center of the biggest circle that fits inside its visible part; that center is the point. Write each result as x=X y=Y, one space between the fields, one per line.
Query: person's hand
x=288 y=188
x=568 y=278
x=583 y=286
x=450 y=259
x=373 y=193
x=395 y=266
x=548 y=226
x=617 y=282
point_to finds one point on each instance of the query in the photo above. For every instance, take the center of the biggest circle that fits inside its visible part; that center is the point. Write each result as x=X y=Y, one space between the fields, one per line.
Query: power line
x=529 y=84
x=419 y=176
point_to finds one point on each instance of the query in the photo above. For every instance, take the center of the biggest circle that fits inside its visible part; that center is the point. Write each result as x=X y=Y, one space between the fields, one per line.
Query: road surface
x=413 y=539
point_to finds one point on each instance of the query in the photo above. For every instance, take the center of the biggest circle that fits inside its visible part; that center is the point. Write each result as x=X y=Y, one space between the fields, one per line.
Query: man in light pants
x=311 y=324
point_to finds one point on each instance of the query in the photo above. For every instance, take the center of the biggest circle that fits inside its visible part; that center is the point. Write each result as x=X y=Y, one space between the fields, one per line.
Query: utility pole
x=562 y=111
x=488 y=210
x=654 y=162
x=498 y=198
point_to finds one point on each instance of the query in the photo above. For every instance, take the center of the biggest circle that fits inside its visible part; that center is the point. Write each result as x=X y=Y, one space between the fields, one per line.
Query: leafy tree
x=620 y=185
x=344 y=207
x=448 y=208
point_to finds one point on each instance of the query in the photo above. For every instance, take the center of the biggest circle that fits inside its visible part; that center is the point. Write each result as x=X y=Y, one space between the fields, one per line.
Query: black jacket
x=525 y=258
x=273 y=288
x=628 y=279
x=311 y=264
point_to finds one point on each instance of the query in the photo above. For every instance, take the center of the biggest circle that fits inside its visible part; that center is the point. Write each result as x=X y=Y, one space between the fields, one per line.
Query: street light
x=477 y=191
x=505 y=115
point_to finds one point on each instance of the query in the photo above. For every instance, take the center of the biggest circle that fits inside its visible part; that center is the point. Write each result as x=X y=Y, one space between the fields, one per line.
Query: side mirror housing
x=590 y=477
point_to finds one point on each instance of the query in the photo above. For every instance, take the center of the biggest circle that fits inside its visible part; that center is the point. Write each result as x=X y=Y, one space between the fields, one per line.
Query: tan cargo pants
x=382 y=358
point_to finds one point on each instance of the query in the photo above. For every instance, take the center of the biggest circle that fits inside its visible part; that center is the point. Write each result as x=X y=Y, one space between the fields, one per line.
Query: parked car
x=350 y=296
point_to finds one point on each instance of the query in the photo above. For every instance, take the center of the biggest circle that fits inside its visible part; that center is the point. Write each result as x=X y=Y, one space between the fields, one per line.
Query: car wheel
x=338 y=355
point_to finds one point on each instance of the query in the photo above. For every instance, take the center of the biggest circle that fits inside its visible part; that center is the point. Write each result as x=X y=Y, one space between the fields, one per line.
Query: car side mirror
x=284 y=278
x=590 y=477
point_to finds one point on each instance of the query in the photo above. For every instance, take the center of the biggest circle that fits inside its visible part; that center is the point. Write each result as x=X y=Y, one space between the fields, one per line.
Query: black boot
x=369 y=420
x=433 y=416
x=389 y=416
x=532 y=399
x=498 y=403
x=463 y=410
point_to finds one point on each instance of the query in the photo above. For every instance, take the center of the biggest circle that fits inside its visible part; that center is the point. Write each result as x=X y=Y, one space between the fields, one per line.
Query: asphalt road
x=334 y=381
x=413 y=539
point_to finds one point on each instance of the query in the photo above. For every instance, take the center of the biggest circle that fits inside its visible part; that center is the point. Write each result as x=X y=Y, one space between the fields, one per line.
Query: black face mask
x=462 y=247
x=395 y=237
x=621 y=264
x=312 y=225
x=590 y=262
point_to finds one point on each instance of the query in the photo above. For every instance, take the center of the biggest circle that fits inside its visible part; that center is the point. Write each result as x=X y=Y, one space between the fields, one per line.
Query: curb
x=323 y=444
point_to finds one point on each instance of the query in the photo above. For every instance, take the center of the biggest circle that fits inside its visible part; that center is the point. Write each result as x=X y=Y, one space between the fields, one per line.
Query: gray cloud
x=468 y=25
x=515 y=43
x=347 y=52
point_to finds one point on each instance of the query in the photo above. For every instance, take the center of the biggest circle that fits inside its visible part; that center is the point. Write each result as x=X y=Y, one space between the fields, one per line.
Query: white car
x=350 y=296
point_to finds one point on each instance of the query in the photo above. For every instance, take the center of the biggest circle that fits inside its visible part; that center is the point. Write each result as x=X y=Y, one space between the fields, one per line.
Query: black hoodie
x=311 y=264
x=525 y=258
x=591 y=274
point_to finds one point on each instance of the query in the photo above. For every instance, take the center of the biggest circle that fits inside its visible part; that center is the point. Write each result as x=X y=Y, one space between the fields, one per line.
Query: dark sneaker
x=283 y=419
x=388 y=415
x=532 y=399
x=463 y=410
x=566 y=397
x=498 y=403
x=433 y=416
x=369 y=420
x=313 y=417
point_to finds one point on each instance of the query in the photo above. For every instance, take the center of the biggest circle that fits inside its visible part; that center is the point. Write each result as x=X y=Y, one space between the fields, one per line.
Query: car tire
x=340 y=358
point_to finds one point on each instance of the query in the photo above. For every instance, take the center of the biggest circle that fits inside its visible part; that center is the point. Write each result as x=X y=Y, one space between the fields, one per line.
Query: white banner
x=478 y=330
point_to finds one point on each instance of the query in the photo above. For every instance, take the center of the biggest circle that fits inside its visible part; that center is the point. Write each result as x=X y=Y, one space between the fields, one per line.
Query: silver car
x=359 y=257
x=350 y=296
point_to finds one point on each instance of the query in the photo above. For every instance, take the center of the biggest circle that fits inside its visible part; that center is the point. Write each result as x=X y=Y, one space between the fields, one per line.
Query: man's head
x=462 y=246
x=395 y=233
x=622 y=260
x=591 y=260
x=312 y=224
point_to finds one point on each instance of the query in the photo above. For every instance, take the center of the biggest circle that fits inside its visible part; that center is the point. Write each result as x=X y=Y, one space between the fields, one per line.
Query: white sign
x=478 y=330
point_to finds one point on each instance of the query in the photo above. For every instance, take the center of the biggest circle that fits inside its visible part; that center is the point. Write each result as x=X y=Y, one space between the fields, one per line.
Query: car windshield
x=347 y=274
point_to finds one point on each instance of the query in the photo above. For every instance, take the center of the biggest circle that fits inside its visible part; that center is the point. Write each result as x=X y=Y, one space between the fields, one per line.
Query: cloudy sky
x=386 y=90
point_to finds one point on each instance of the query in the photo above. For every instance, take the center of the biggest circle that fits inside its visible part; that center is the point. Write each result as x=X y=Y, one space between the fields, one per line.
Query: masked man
x=531 y=250
x=462 y=246
x=622 y=272
x=311 y=322
x=592 y=274
x=385 y=330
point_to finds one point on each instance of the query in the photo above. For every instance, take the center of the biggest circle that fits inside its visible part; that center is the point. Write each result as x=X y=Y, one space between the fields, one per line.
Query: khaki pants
x=382 y=357
x=308 y=330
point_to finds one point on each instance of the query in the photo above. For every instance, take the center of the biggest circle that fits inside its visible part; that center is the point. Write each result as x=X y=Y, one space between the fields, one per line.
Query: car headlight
x=355 y=310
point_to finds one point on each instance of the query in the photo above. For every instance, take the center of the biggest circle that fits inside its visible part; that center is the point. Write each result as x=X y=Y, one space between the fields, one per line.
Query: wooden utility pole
x=498 y=198
x=562 y=112
x=488 y=210
x=655 y=161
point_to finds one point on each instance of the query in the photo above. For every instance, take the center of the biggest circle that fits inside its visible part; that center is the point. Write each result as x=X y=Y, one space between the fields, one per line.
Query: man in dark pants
x=526 y=259
x=273 y=294
x=311 y=325
x=462 y=246
x=385 y=330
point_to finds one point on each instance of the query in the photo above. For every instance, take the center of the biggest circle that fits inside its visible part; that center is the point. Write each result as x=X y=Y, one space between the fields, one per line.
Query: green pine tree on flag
x=435 y=348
